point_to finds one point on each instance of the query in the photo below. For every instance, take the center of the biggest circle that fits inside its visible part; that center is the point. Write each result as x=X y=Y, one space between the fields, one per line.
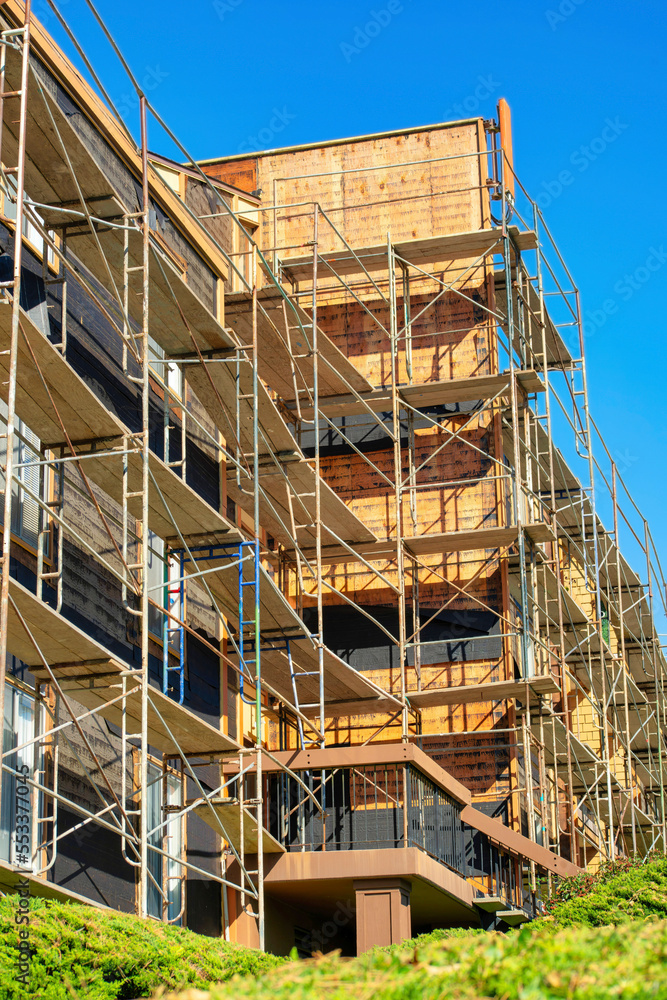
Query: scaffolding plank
x=176 y=315
x=426 y=394
x=186 y=508
x=490 y=691
x=491 y=537
x=83 y=414
x=75 y=659
x=280 y=458
x=275 y=511
x=550 y=586
x=468 y=389
x=229 y=813
x=346 y=690
x=435 y=543
x=283 y=351
x=49 y=181
x=557 y=351
x=280 y=622
x=87 y=419
x=277 y=615
x=217 y=383
x=585 y=757
x=434 y=249
x=12 y=879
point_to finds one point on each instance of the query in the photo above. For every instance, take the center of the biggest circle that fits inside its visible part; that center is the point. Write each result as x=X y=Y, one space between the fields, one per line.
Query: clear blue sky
x=220 y=72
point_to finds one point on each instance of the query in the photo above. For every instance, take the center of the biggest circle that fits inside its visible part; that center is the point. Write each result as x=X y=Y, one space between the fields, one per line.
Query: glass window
x=16 y=823
x=156 y=582
x=25 y=507
x=166 y=372
x=164 y=588
x=30 y=231
x=166 y=871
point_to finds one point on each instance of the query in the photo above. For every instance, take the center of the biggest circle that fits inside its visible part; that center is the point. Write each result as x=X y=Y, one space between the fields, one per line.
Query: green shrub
x=539 y=962
x=85 y=953
x=622 y=890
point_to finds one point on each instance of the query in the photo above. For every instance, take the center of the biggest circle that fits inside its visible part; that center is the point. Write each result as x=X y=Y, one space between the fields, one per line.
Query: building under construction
x=315 y=629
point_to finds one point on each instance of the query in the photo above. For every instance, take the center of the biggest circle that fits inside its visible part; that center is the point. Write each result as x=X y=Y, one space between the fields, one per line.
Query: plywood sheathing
x=453 y=339
x=367 y=198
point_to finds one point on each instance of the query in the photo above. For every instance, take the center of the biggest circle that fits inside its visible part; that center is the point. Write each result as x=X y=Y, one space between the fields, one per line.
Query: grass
x=82 y=953
x=535 y=963
x=605 y=939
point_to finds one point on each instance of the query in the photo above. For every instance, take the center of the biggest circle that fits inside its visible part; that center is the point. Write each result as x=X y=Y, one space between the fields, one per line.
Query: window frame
x=28 y=229
x=169 y=785
x=48 y=492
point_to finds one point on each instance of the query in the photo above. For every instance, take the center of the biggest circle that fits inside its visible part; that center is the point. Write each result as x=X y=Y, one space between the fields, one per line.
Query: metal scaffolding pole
x=19 y=173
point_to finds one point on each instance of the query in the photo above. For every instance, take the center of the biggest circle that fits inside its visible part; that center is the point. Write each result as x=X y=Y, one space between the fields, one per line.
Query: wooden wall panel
x=239 y=173
x=411 y=186
x=373 y=186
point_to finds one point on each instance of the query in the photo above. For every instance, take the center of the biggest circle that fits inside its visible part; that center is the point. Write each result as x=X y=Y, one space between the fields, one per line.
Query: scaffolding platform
x=584 y=758
x=487 y=692
x=285 y=359
x=346 y=691
x=558 y=354
x=92 y=429
x=428 y=394
x=293 y=482
x=281 y=624
x=54 y=153
x=224 y=386
x=437 y=543
x=228 y=813
x=445 y=247
x=92 y=676
x=82 y=413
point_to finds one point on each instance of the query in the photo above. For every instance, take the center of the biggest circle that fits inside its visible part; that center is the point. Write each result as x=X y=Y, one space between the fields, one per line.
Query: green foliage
x=87 y=954
x=82 y=953
x=439 y=934
x=622 y=890
x=536 y=963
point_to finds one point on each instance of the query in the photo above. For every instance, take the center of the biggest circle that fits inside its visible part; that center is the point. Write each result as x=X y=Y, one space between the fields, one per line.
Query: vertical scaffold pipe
x=318 y=489
x=13 y=351
x=257 y=635
x=143 y=753
x=398 y=476
x=623 y=671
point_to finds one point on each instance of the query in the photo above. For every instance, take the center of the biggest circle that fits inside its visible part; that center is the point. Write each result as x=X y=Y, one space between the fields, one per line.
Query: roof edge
x=338 y=142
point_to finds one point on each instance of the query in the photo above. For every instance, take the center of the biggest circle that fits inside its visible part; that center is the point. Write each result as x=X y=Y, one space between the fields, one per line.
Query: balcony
x=355 y=821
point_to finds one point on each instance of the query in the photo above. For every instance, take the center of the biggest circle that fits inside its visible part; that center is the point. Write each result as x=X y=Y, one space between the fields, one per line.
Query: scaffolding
x=586 y=711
